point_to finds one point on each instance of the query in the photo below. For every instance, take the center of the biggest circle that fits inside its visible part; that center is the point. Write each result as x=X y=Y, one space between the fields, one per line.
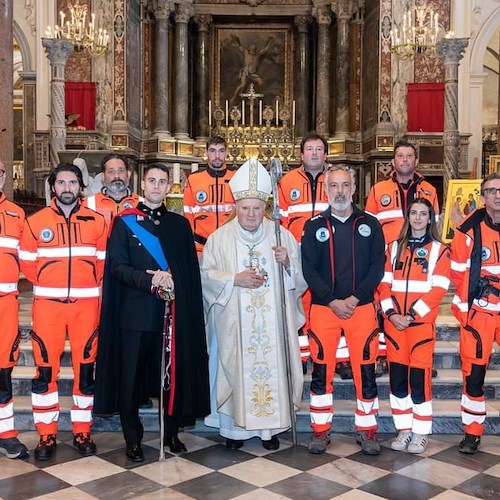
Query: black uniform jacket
x=368 y=256
x=128 y=303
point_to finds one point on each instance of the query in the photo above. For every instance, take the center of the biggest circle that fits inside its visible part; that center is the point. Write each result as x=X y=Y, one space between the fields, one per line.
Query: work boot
x=319 y=442
x=13 y=448
x=46 y=447
x=85 y=445
x=402 y=441
x=344 y=369
x=418 y=443
x=381 y=367
x=368 y=442
x=469 y=444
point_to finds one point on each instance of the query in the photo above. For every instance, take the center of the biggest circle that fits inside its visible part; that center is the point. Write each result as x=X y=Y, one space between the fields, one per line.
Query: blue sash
x=150 y=241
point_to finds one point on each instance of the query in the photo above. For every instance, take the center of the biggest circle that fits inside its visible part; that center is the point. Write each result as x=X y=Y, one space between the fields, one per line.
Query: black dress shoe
x=233 y=444
x=134 y=452
x=271 y=444
x=175 y=444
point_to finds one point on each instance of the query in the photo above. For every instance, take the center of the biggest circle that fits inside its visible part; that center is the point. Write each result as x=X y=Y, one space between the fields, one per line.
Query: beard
x=66 y=198
x=341 y=203
x=116 y=187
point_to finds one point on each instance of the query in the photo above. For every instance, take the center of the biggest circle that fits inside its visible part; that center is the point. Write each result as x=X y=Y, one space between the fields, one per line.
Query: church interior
x=153 y=80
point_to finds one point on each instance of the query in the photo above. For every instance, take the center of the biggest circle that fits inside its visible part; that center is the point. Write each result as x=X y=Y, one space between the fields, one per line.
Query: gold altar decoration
x=254 y=129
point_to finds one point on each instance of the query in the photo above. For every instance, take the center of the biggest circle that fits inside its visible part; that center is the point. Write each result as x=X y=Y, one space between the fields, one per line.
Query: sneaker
x=344 y=369
x=418 y=443
x=46 y=447
x=402 y=441
x=469 y=444
x=13 y=448
x=85 y=445
x=381 y=367
x=319 y=442
x=368 y=442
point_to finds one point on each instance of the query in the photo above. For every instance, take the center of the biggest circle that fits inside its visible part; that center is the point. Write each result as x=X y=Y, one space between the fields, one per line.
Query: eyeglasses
x=491 y=191
x=2 y=173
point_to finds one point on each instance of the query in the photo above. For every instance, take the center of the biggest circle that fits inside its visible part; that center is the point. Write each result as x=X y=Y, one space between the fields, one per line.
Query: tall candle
x=276 y=112
x=293 y=112
x=177 y=173
x=194 y=167
x=243 y=112
x=227 y=113
x=260 y=112
x=209 y=113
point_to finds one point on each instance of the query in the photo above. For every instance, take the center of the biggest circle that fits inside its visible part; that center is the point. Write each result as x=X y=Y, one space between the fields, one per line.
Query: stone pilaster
x=6 y=99
x=161 y=11
x=29 y=126
x=303 y=64
x=181 y=101
x=58 y=51
x=324 y=19
x=202 y=70
x=451 y=50
x=343 y=11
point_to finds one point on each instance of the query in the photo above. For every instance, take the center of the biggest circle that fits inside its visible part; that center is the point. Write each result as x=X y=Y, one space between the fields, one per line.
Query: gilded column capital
x=452 y=49
x=183 y=13
x=203 y=21
x=161 y=9
x=302 y=23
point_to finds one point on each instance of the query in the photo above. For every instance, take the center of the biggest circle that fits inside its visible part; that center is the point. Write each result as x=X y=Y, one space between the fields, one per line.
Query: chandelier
x=86 y=38
x=418 y=35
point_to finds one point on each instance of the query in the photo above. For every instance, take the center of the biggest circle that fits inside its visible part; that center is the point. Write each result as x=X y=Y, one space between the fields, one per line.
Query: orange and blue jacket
x=64 y=257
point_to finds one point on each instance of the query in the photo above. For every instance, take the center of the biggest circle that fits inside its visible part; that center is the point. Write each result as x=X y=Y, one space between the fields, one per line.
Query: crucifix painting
x=252 y=56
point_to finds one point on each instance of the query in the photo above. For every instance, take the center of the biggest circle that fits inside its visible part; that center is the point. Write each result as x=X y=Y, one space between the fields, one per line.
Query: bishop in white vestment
x=243 y=308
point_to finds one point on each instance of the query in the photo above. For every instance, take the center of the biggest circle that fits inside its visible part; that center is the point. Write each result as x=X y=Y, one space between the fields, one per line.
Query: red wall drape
x=80 y=99
x=425 y=107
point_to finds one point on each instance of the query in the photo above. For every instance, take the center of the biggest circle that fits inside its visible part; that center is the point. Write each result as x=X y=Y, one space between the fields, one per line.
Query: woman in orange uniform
x=417 y=275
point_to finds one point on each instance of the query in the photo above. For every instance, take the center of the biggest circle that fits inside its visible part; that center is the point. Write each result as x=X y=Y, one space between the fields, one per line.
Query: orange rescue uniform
x=413 y=285
x=11 y=225
x=208 y=201
x=64 y=259
x=475 y=271
x=389 y=200
x=108 y=207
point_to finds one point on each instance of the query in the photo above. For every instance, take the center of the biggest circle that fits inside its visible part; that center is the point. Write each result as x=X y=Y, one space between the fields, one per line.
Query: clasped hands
x=161 y=279
x=400 y=322
x=344 y=308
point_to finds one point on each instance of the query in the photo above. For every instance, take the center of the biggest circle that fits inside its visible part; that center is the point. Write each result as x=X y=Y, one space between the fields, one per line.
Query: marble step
x=447 y=385
x=446 y=419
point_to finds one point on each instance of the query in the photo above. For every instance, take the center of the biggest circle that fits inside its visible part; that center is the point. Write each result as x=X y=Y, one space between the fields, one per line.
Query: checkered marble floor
x=210 y=471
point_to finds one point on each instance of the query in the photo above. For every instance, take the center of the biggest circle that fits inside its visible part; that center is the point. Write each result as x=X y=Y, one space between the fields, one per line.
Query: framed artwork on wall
x=257 y=55
x=494 y=165
x=463 y=197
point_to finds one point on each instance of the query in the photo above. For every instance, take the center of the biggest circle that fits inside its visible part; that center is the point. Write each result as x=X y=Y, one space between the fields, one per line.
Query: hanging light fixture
x=419 y=34
x=86 y=38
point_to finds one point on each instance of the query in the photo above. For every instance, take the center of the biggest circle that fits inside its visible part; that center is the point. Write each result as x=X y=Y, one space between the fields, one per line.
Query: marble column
x=161 y=11
x=181 y=101
x=302 y=93
x=451 y=50
x=58 y=51
x=6 y=95
x=324 y=19
x=202 y=71
x=29 y=126
x=343 y=11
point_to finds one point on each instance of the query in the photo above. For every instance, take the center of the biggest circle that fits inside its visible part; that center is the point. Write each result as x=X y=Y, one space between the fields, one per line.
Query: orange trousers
x=476 y=344
x=9 y=353
x=410 y=356
x=52 y=320
x=361 y=335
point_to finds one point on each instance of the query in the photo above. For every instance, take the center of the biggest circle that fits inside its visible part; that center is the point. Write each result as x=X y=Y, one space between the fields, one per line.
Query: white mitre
x=251 y=180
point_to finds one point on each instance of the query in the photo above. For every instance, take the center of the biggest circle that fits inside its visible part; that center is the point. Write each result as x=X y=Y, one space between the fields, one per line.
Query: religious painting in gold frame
x=253 y=54
x=463 y=196
x=494 y=165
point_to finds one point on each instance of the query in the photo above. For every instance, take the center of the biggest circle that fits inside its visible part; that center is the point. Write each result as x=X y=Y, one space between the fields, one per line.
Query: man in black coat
x=151 y=250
